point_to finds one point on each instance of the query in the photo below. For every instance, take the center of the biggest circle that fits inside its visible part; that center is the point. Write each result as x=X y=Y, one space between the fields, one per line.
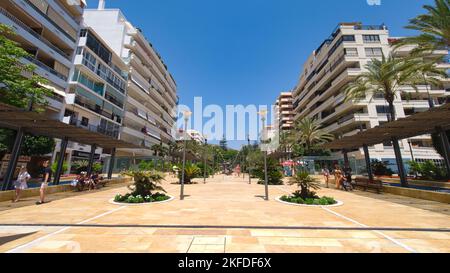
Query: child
x=21 y=183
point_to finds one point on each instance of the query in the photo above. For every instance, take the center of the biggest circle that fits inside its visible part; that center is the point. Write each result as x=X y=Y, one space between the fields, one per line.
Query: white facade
x=338 y=61
x=152 y=99
x=98 y=82
x=48 y=30
x=285 y=112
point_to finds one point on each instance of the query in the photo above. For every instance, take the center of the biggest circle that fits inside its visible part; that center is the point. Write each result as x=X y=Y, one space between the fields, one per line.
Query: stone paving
x=225 y=215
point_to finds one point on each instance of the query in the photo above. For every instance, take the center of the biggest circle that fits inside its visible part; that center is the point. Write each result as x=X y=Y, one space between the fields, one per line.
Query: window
x=382 y=109
x=374 y=52
x=348 y=38
x=83 y=33
x=371 y=38
x=98 y=48
x=351 y=52
x=84 y=121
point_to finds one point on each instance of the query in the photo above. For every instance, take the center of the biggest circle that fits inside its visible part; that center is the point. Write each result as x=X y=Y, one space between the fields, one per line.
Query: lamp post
x=263 y=114
x=248 y=162
x=204 y=159
x=186 y=115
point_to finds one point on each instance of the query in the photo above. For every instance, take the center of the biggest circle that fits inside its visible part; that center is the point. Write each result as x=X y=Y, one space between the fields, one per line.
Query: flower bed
x=130 y=199
x=324 y=201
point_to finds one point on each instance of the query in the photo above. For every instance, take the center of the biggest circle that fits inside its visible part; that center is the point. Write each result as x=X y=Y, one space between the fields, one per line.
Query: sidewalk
x=227 y=215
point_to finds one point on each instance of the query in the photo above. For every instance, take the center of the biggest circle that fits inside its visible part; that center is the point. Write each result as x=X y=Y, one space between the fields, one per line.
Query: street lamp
x=263 y=114
x=204 y=158
x=248 y=162
x=186 y=115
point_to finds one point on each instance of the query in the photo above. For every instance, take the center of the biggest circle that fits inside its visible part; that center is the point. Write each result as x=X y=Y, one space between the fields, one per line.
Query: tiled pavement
x=225 y=215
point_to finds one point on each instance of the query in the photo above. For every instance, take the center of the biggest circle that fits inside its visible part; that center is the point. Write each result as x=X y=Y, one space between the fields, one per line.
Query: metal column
x=15 y=153
x=91 y=159
x=399 y=159
x=446 y=148
x=111 y=163
x=368 y=162
x=59 y=167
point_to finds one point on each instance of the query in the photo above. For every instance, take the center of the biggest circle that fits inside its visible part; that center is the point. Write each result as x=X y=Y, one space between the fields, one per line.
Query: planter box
x=419 y=194
x=9 y=195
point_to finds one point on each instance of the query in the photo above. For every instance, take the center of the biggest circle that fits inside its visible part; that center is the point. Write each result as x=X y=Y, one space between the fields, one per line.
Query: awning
x=414 y=125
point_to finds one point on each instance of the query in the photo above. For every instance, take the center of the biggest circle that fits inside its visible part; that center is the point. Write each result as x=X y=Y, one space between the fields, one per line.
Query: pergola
x=24 y=121
x=435 y=120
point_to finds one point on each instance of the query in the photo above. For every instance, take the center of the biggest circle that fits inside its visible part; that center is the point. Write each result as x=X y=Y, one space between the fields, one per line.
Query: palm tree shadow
x=7 y=239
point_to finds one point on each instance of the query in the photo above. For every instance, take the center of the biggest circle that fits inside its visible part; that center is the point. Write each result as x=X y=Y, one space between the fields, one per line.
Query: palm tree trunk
x=392 y=114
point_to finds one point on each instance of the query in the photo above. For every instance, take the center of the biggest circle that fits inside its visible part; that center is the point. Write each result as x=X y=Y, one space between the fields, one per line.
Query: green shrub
x=324 y=201
x=428 y=170
x=381 y=168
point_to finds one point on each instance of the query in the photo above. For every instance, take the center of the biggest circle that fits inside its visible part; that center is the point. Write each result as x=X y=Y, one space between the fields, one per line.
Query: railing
x=50 y=20
x=46 y=68
x=95 y=128
x=370 y=27
x=34 y=33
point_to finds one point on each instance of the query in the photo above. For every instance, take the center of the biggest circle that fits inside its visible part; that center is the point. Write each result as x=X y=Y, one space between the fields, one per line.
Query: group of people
x=342 y=177
x=82 y=181
x=22 y=182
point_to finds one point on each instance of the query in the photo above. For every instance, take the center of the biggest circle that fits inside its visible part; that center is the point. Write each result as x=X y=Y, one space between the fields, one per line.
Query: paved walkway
x=226 y=215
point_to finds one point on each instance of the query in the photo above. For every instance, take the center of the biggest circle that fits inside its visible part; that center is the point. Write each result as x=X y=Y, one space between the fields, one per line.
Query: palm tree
x=434 y=27
x=385 y=78
x=306 y=183
x=310 y=133
x=287 y=141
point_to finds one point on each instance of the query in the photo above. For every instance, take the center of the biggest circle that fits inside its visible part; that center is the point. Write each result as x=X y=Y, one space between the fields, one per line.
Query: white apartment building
x=152 y=92
x=338 y=61
x=98 y=84
x=48 y=30
x=284 y=107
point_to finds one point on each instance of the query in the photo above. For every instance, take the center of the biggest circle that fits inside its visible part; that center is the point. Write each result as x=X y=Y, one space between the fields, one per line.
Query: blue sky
x=247 y=51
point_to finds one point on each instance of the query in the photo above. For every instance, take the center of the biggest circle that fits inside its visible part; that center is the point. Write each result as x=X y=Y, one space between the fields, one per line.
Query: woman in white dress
x=21 y=183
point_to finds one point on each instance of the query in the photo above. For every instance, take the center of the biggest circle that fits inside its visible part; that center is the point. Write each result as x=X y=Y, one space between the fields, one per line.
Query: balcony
x=95 y=128
x=33 y=37
x=47 y=72
x=43 y=18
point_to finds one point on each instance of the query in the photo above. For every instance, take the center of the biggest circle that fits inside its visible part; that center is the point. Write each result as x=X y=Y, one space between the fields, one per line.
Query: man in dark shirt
x=47 y=176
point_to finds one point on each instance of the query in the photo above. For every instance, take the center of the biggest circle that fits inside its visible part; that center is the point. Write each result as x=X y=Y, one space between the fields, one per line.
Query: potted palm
x=145 y=188
x=306 y=194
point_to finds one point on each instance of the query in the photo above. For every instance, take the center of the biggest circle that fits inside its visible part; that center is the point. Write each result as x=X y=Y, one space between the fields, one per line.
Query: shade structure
x=415 y=125
x=39 y=124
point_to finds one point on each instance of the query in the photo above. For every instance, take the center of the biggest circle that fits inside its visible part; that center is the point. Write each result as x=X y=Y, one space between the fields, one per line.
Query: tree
x=306 y=183
x=15 y=89
x=310 y=134
x=224 y=144
x=31 y=146
x=385 y=78
x=434 y=27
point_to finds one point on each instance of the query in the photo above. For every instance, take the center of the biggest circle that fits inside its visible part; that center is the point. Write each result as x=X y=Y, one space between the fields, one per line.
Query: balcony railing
x=32 y=32
x=46 y=68
x=50 y=20
x=95 y=128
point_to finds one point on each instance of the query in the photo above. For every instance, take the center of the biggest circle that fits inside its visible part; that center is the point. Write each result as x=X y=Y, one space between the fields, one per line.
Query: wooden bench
x=366 y=184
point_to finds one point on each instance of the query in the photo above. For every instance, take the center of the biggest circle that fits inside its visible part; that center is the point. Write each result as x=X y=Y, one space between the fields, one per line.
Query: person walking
x=21 y=183
x=47 y=176
x=326 y=175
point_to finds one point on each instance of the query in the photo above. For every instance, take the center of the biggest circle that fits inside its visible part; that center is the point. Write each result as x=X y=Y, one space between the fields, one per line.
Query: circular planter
x=141 y=204
x=338 y=204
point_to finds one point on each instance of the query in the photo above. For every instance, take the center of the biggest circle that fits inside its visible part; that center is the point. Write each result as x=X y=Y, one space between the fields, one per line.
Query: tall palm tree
x=287 y=140
x=434 y=27
x=310 y=133
x=386 y=78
